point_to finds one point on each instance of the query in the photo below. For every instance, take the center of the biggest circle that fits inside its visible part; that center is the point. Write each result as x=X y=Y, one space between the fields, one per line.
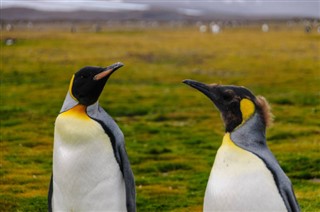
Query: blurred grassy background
x=172 y=132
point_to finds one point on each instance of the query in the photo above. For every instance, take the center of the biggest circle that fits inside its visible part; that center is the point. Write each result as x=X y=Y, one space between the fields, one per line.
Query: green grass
x=172 y=132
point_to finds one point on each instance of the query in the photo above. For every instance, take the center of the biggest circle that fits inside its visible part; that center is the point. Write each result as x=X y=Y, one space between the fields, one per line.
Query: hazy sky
x=191 y=7
x=63 y=5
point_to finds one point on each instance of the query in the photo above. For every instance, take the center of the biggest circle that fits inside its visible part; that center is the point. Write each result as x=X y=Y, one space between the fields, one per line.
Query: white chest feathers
x=86 y=175
x=240 y=181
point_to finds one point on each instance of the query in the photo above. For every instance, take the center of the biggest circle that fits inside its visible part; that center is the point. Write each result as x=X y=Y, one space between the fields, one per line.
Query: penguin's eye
x=227 y=96
x=86 y=75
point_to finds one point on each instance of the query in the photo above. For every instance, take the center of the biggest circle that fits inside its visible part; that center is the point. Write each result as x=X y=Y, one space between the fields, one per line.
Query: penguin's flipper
x=128 y=178
x=286 y=190
x=50 y=192
x=283 y=182
x=292 y=200
x=117 y=139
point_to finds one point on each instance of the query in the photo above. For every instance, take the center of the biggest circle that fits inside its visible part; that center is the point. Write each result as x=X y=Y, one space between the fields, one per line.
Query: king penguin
x=245 y=175
x=91 y=170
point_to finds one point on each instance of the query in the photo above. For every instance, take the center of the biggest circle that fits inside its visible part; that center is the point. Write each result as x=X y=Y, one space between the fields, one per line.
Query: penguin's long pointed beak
x=108 y=71
x=204 y=88
x=208 y=90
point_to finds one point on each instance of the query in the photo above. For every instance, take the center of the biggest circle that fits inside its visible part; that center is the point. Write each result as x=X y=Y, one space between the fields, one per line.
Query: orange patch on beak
x=103 y=74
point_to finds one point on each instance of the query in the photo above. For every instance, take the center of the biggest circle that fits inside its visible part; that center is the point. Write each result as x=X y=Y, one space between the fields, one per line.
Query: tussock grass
x=172 y=132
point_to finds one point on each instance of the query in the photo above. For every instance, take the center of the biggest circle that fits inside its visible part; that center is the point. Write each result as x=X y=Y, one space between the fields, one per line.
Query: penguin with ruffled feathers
x=91 y=170
x=245 y=175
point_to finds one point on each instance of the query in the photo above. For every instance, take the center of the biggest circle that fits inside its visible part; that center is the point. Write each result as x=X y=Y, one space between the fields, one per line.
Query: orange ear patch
x=247 y=109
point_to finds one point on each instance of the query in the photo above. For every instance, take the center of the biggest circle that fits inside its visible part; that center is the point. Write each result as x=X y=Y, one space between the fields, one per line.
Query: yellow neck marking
x=70 y=88
x=78 y=111
x=247 y=109
x=227 y=140
x=228 y=145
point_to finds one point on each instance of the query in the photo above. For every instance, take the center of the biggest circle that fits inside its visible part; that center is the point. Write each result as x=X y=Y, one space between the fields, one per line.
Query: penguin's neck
x=75 y=126
x=78 y=111
x=250 y=133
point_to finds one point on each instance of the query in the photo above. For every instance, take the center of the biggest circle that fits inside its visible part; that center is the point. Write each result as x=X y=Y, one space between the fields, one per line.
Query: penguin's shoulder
x=99 y=115
x=251 y=137
x=246 y=175
x=234 y=154
x=110 y=127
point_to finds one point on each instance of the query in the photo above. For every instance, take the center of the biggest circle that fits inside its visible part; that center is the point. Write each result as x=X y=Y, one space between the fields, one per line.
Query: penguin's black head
x=236 y=104
x=88 y=83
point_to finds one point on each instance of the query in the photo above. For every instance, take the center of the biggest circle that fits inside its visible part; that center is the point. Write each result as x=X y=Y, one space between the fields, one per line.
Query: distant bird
x=245 y=175
x=215 y=28
x=265 y=28
x=9 y=41
x=91 y=170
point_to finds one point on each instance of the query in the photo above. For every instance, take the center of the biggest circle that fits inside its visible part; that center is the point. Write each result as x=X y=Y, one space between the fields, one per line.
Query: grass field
x=172 y=131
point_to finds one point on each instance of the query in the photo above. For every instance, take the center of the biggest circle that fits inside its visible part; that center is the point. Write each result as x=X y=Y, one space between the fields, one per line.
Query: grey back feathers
x=97 y=113
x=251 y=137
